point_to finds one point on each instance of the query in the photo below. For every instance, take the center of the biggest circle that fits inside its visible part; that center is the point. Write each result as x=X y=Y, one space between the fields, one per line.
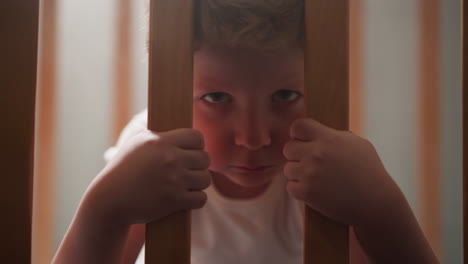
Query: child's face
x=244 y=104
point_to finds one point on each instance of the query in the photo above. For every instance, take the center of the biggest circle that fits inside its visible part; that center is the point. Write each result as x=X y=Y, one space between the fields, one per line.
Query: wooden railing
x=18 y=64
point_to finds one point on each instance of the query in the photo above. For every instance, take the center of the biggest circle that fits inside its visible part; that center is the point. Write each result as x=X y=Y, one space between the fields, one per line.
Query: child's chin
x=252 y=180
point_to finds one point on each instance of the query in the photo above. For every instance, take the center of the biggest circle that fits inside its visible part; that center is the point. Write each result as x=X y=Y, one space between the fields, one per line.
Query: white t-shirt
x=266 y=229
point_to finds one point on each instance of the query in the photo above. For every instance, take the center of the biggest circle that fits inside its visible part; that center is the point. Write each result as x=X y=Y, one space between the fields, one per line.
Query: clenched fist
x=154 y=175
x=336 y=172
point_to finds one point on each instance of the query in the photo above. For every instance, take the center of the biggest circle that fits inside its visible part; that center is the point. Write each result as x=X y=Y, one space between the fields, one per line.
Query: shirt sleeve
x=137 y=124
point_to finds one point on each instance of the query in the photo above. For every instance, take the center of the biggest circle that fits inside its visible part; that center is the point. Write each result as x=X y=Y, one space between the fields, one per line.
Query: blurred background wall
x=390 y=42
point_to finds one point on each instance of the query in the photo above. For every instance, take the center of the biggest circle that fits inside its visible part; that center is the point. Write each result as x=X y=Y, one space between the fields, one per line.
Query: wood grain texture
x=464 y=17
x=45 y=159
x=123 y=74
x=429 y=145
x=356 y=64
x=326 y=91
x=18 y=64
x=356 y=96
x=170 y=106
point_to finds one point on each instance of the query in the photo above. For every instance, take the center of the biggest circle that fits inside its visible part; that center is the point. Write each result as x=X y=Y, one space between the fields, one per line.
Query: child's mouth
x=252 y=168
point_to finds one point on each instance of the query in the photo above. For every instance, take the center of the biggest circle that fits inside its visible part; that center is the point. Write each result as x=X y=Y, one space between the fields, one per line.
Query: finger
x=195 y=160
x=307 y=129
x=293 y=171
x=194 y=200
x=185 y=138
x=198 y=180
x=297 y=190
x=295 y=150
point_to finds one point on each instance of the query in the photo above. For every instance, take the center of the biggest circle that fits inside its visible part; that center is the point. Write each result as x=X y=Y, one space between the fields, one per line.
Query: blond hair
x=261 y=25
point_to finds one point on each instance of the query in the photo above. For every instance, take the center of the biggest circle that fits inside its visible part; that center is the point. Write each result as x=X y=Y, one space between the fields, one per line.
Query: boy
x=248 y=164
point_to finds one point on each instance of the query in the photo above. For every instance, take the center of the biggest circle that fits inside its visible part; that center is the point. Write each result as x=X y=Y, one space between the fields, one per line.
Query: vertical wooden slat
x=122 y=71
x=356 y=89
x=44 y=184
x=429 y=132
x=464 y=33
x=18 y=63
x=326 y=86
x=356 y=95
x=170 y=106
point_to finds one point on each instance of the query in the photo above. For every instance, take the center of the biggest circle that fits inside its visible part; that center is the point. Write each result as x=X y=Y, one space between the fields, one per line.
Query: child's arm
x=134 y=243
x=391 y=234
x=92 y=237
x=341 y=175
x=152 y=176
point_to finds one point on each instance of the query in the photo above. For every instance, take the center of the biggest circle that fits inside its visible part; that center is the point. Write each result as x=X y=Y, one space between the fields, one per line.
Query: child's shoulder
x=138 y=123
x=141 y=117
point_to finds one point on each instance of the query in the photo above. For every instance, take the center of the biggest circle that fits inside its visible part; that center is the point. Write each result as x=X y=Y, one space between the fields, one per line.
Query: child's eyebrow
x=289 y=81
x=208 y=82
x=290 y=77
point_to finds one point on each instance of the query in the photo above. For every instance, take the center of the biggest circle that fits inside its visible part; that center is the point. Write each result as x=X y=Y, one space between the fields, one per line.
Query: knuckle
x=287 y=149
x=289 y=170
x=301 y=128
x=173 y=179
x=148 y=139
x=295 y=126
x=309 y=171
x=197 y=133
x=155 y=143
x=168 y=195
x=336 y=139
x=200 y=201
x=185 y=131
x=168 y=159
x=319 y=155
x=197 y=136
x=205 y=160
x=154 y=136
x=207 y=180
x=201 y=181
x=301 y=124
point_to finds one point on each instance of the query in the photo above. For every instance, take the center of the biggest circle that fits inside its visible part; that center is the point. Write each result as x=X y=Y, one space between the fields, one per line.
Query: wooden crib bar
x=169 y=107
x=18 y=62
x=326 y=90
x=464 y=17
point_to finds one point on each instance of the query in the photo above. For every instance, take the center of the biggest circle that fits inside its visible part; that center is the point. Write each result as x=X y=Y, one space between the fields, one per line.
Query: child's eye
x=285 y=96
x=216 y=98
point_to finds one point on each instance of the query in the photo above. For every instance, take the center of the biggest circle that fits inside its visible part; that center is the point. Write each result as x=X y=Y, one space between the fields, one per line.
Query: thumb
x=308 y=129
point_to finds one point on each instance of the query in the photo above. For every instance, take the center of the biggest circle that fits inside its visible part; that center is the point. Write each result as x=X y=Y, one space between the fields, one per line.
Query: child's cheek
x=210 y=110
x=215 y=137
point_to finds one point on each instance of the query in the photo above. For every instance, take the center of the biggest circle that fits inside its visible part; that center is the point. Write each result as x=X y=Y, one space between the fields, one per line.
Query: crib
x=168 y=240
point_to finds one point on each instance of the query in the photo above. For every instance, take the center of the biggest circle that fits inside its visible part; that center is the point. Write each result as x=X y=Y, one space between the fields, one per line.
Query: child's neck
x=231 y=190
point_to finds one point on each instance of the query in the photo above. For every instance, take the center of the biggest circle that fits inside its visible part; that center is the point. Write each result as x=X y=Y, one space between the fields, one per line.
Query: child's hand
x=336 y=172
x=154 y=175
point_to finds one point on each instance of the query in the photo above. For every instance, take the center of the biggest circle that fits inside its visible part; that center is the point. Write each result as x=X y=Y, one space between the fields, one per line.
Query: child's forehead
x=232 y=55
x=219 y=65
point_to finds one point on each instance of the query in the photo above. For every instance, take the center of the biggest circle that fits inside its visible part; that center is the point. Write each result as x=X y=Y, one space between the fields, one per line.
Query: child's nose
x=252 y=132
